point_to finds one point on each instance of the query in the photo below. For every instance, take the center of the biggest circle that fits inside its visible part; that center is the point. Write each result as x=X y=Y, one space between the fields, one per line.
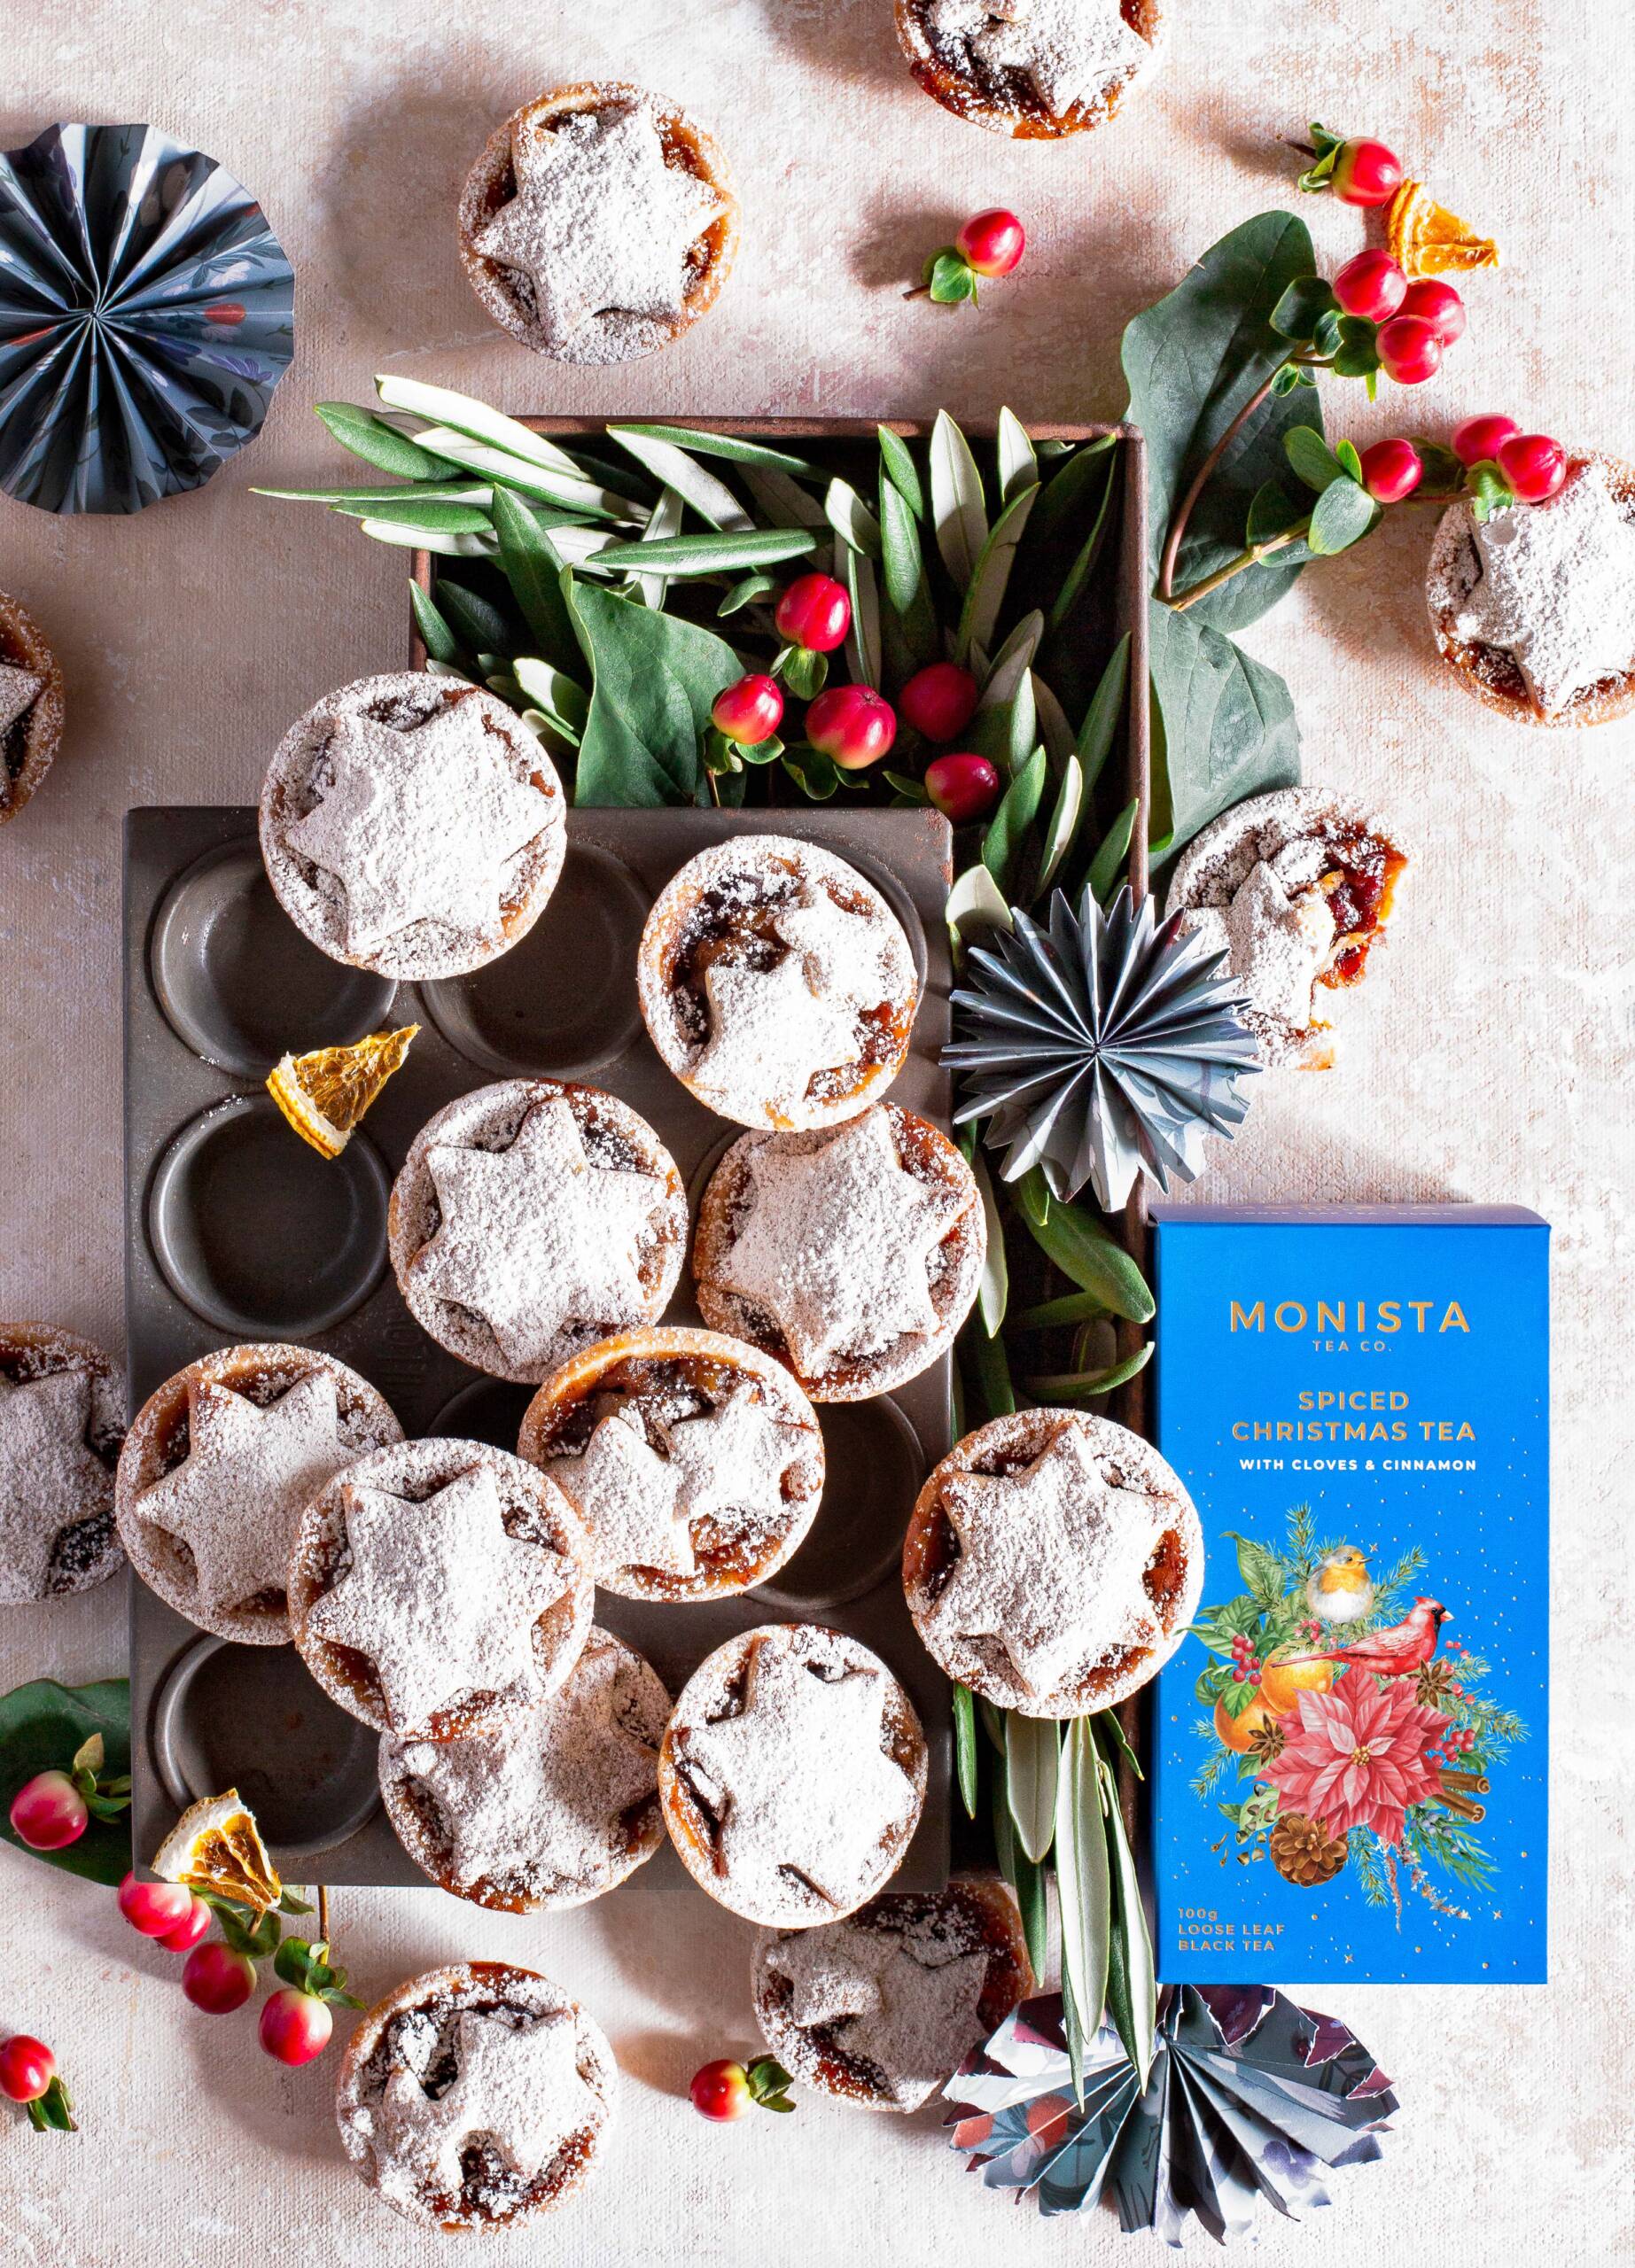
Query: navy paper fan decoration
x=146 y=314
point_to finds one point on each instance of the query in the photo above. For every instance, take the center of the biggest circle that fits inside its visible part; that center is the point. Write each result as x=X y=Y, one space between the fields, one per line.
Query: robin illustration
x=1339 y=1588
x=1396 y=1652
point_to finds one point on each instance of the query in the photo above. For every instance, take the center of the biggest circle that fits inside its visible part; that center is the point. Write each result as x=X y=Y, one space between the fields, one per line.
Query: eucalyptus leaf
x=976 y=904
x=1033 y=1768
x=897 y=466
x=863 y=652
x=850 y=518
x=440 y=643
x=1085 y=1252
x=1107 y=867
x=676 y=471
x=1228 y=726
x=377 y=442
x=733 y=447
x=991 y=577
x=1343 y=515
x=1003 y=844
x=533 y=566
x=1083 y=1876
x=43 y=1726
x=1018 y=463
x=965 y=1747
x=654 y=679
x=958 y=509
x=727 y=552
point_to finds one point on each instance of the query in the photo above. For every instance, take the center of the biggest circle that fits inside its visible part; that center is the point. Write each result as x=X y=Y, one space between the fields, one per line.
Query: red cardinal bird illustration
x=1396 y=1652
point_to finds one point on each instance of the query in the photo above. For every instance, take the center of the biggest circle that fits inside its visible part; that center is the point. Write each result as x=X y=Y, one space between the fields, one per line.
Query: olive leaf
x=440 y=642
x=1107 y=867
x=666 y=518
x=993 y=1285
x=965 y=1751
x=1059 y=835
x=533 y=566
x=863 y=655
x=850 y=518
x=378 y=443
x=1090 y=1386
x=1132 y=1986
x=897 y=465
x=1003 y=844
x=902 y=566
x=727 y=551
x=1033 y=1768
x=1018 y=461
x=1083 y=1876
x=958 y=510
x=676 y=471
x=985 y=598
x=735 y=449
x=1084 y=1250
x=976 y=903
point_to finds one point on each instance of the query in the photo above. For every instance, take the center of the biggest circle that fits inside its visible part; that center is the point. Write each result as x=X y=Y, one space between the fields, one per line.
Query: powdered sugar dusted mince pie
x=62 y=1418
x=411 y=826
x=1534 y=609
x=31 y=706
x=694 y=1461
x=1295 y=888
x=883 y=2008
x=598 y=223
x=557 y=1807
x=475 y=2096
x=1053 y=1562
x=440 y=1589
x=218 y=1467
x=532 y=1218
x=777 y=983
x=792 y=1775
x=852 y=1253
x=1034 y=69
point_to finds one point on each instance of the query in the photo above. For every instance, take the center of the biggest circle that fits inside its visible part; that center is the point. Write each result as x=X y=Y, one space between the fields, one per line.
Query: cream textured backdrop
x=1491 y=1063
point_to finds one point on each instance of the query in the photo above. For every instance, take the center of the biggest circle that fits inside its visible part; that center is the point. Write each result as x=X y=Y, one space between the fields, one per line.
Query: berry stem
x=324 y=1913
x=1202 y=477
x=1253 y=553
x=919 y=292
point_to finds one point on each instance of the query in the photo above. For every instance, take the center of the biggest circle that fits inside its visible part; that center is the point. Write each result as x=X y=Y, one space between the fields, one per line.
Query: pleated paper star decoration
x=1101 y=1046
x=1249 y=2097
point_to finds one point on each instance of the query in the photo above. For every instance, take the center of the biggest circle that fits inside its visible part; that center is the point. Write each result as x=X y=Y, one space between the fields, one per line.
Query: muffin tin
x=237 y=1230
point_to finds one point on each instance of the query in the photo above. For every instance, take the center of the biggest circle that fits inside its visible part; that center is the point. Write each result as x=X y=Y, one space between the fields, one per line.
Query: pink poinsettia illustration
x=1358 y=1759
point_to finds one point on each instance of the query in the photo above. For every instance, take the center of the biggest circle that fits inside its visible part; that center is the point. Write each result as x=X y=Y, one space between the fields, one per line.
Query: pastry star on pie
x=599 y=221
x=1038 y=1549
x=1557 y=591
x=844 y=954
x=770 y=1030
x=49 y=1475
x=1278 y=941
x=535 y=1236
x=236 y=1498
x=1067 y=49
x=639 y=1503
x=900 y=2013
x=20 y=689
x=839 y=1241
x=518 y=2088
x=438 y=1596
x=418 y=825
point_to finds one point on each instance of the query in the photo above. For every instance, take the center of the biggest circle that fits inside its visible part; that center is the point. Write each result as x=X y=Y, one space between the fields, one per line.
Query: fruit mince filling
x=1361 y=874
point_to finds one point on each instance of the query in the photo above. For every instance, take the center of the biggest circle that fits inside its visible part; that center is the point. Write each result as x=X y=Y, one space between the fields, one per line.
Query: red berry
x=720 y=2090
x=1480 y=439
x=217 y=1979
x=1372 y=284
x=992 y=242
x=1366 y=172
x=814 y=613
x=749 y=711
x=1391 y=470
x=194 y=1925
x=852 y=724
x=939 y=701
x=1437 y=303
x=47 y=1812
x=27 y=2068
x=295 y=2025
x=1534 y=465
x=964 y=788
x=154 y=1907
x=1409 y=350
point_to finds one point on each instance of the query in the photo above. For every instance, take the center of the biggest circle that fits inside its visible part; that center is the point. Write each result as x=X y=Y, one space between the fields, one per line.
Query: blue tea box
x=1349 y=1745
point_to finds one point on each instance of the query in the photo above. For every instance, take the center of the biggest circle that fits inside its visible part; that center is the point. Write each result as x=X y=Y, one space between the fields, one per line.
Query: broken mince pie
x=62 y=1418
x=1295 y=888
x=882 y=2008
x=411 y=826
x=532 y=1218
x=1053 y=1562
x=598 y=223
x=777 y=983
x=556 y=1808
x=792 y=1775
x=218 y=1467
x=694 y=1461
x=1035 y=69
x=440 y=1589
x=475 y=2096
x=31 y=706
x=852 y=1253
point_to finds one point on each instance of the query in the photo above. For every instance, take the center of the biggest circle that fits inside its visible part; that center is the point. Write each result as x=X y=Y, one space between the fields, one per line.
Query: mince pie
x=411 y=826
x=1053 y=1562
x=792 y=1775
x=440 y=1589
x=1295 y=888
x=218 y=1467
x=598 y=223
x=532 y=1218
x=694 y=1461
x=31 y=706
x=882 y=2008
x=1534 y=606
x=777 y=983
x=1035 y=69
x=62 y=1418
x=853 y=1252
x=558 y=1807
x=475 y=2096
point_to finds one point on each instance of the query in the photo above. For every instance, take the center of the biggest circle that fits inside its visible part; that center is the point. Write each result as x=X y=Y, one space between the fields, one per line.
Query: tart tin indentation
x=251 y=1717
x=488 y=1409
x=239 y=983
x=562 y=1003
x=875 y=1466
x=259 y=1235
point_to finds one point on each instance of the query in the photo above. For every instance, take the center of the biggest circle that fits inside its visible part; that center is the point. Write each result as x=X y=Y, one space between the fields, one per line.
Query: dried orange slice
x=216 y=1845
x=324 y=1094
x=1424 y=238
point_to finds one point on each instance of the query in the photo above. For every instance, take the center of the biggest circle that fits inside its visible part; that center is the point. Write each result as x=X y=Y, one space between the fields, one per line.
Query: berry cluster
x=1458 y=1741
x=1246 y=1663
x=1413 y=322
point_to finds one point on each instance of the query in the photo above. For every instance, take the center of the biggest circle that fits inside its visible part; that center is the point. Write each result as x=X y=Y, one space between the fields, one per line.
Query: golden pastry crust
x=694 y=1370
x=86 y=1549
x=33 y=743
x=157 y=1442
x=608 y=337
x=1004 y=103
x=1487 y=672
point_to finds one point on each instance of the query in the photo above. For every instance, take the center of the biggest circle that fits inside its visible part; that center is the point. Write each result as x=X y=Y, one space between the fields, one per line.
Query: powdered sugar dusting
x=61 y=1417
x=1069 y=51
x=20 y=689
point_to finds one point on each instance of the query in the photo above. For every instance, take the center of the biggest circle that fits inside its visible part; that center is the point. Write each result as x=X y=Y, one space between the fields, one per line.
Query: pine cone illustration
x=1304 y=1851
x=1434 y=1684
x=1268 y=1744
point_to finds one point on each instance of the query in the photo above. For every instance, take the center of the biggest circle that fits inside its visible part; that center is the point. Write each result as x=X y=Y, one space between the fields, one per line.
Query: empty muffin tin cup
x=251 y=1717
x=875 y=1468
x=562 y=1003
x=488 y=1409
x=259 y=1235
x=239 y=983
